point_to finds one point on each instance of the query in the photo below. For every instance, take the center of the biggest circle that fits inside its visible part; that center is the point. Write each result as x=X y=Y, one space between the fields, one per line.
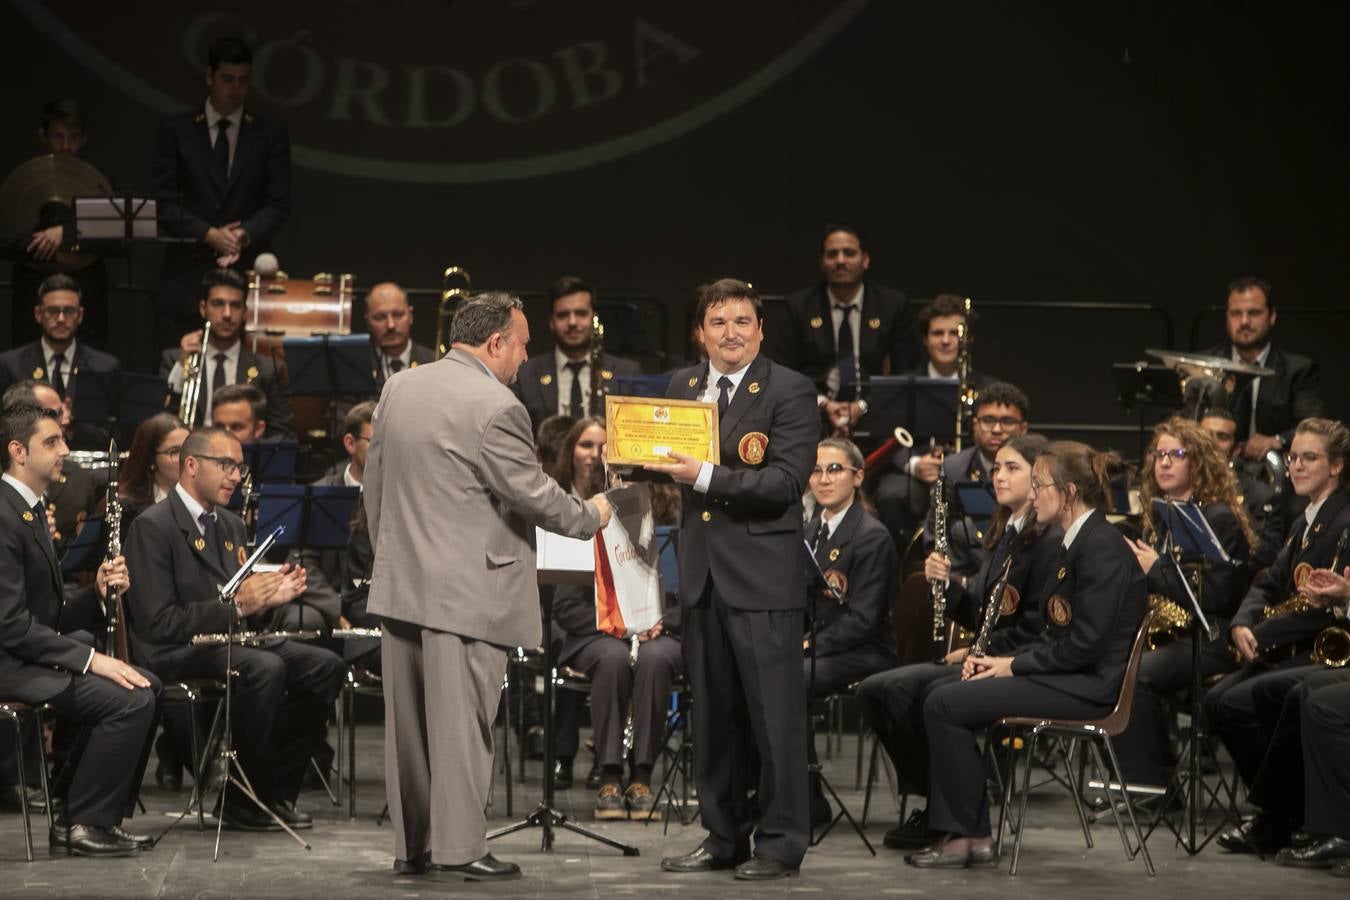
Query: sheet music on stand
x=1187 y=529
x=311 y=517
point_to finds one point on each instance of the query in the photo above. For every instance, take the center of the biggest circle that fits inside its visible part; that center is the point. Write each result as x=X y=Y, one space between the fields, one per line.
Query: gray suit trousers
x=441 y=693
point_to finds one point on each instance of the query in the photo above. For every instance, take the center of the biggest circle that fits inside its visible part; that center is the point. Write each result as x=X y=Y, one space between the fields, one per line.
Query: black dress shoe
x=287 y=813
x=244 y=816
x=13 y=798
x=91 y=840
x=935 y=857
x=1259 y=834
x=700 y=860
x=418 y=865
x=1321 y=854
x=488 y=868
x=911 y=834
x=762 y=868
x=562 y=774
x=144 y=841
x=595 y=778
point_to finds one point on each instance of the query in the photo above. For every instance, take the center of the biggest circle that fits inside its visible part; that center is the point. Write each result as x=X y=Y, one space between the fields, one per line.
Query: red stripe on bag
x=608 y=615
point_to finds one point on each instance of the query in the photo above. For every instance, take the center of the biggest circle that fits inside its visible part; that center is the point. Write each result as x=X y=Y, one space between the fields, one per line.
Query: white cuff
x=88 y=662
x=704 y=479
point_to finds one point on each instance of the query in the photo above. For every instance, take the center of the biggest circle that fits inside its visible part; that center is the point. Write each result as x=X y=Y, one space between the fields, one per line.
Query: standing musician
x=1182 y=464
x=225 y=360
x=179 y=552
x=743 y=630
x=1091 y=608
x=892 y=702
x=1259 y=499
x=844 y=329
x=39 y=664
x=1244 y=708
x=853 y=637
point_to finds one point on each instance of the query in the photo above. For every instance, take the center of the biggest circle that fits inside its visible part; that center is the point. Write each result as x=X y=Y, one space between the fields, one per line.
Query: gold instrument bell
x=1169 y=620
x=1332 y=647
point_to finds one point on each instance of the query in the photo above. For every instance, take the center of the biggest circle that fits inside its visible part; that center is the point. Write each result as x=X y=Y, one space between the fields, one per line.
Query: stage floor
x=352 y=858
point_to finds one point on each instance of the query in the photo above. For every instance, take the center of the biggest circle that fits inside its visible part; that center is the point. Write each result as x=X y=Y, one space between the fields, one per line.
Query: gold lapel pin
x=38 y=373
x=834 y=554
x=545 y=380
x=693 y=382
x=1062 y=572
x=229 y=545
x=28 y=515
x=199 y=543
x=874 y=324
x=753 y=387
x=817 y=322
x=252 y=372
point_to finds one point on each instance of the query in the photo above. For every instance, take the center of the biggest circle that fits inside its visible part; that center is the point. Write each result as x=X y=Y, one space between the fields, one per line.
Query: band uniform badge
x=1302 y=572
x=606 y=374
x=817 y=321
x=837 y=580
x=199 y=118
x=545 y=380
x=1062 y=572
x=751 y=448
x=706 y=516
x=252 y=372
x=1060 y=611
x=753 y=387
x=834 y=553
x=693 y=382
x=229 y=546
x=976 y=475
x=200 y=544
x=874 y=324
x=38 y=373
x=413 y=364
x=242 y=556
x=28 y=515
x=1008 y=603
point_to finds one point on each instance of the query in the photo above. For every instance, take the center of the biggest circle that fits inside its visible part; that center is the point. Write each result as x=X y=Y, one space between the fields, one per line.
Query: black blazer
x=197 y=198
x=174 y=579
x=537 y=382
x=1291 y=395
x=1091 y=610
x=1278 y=582
x=26 y=361
x=1269 y=519
x=1035 y=556
x=805 y=339
x=859 y=559
x=36 y=660
x=746 y=531
x=76 y=497
x=266 y=373
x=1222 y=584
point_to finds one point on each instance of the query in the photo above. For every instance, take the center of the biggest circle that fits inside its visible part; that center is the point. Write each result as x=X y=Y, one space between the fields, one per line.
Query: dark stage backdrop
x=1139 y=152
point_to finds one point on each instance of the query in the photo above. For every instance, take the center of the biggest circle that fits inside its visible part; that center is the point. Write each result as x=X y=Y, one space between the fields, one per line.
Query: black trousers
x=1145 y=747
x=1278 y=788
x=109 y=760
x=281 y=699
x=1244 y=710
x=892 y=703
x=745 y=669
x=1326 y=753
x=614 y=683
x=955 y=714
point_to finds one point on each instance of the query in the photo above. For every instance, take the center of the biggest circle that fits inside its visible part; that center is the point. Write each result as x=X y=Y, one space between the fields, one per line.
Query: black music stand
x=1145 y=386
x=816 y=580
x=1189 y=534
x=269 y=462
x=312 y=516
x=923 y=406
x=640 y=385
x=546 y=817
x=330 y=365
x=975 y=500
x=120 y=401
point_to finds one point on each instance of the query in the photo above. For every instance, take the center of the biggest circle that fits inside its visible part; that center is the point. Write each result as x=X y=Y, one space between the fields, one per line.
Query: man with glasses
x=179 y=552
x=57 y=356
x=227 y=361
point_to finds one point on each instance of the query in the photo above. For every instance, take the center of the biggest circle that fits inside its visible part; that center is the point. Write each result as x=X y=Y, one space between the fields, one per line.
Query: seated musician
x=151 y=467
x=892 y=702
x=615 y=683
x=901 y=494
x=389 y=319
x=225 y=360
x=1182 y=464
x=178 y=552
x=1276 y=624
x=853 y=637
x=1091 y=607
x=112 y=699
x=1258 y=497
x=240 y=409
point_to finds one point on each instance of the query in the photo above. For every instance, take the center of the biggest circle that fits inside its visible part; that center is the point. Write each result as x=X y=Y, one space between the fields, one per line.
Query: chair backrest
x=1115 y=723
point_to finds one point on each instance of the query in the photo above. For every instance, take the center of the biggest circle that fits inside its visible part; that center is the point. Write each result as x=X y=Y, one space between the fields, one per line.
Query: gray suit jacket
x=452 y=494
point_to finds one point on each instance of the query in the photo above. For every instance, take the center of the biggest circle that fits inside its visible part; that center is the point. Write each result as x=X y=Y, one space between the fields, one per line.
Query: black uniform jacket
x=266 y=373
x=805 y=339
x=860 y=562
x=536 y=383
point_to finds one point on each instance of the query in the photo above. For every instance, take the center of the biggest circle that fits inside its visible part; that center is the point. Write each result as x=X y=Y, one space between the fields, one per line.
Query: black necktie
x=575 y=405
x=1001 y=551
x=846 y=359
x=222 y=148
x=40 y=517
x=209 y=534
x=395 y=366
x=822 y=537
x=724 y=395
x=58 y=380
x=1242 y=411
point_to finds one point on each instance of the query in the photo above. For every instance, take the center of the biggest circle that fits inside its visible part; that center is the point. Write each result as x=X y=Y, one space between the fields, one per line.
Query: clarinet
x=936 y=586
x=116 y=612
x=981 y=646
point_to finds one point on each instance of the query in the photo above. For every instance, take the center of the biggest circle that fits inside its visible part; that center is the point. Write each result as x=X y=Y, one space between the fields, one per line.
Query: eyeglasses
x=1038 y=485
x=227 y=465
x=1176 y=455
x=1008 y=423
x=169 y=451
x=833 y=470
x=1306 y=458
x=56 y=312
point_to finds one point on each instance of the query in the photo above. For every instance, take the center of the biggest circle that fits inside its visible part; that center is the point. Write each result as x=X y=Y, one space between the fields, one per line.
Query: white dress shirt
x=231 y=133
x=194 y=508
x=67 y=360
x=711 y=393
x=1256 y=382
x=831 y=522
x=837 y=319
x=1072 y=531
x=209 y=372
x=349 y=481
x=564 y=376
x=386 y=361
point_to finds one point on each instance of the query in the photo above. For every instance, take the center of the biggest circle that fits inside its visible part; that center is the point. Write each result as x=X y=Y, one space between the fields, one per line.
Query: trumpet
x=451 y=294
x=194 y=371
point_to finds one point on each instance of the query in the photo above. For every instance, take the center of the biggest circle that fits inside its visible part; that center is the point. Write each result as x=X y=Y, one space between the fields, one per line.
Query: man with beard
x=559 y=383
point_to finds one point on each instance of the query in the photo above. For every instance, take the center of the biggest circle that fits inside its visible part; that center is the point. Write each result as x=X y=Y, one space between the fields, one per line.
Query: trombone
x=194 y=370
x=451 y=293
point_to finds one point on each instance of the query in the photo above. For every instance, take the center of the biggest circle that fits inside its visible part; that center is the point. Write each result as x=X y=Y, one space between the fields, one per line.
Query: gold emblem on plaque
x=607 y=374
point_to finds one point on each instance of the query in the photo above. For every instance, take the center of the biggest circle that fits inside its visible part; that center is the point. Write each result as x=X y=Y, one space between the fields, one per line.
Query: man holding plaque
x=740 y=540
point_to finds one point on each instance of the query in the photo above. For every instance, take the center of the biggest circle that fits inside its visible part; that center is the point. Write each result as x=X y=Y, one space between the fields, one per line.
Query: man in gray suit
x=452 y=494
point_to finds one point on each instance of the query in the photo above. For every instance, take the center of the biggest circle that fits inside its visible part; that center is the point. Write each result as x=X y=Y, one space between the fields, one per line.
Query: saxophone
x=937 y=588
x=981 y=646
x=1299 y=602
x=116 y=612
x=1170 y=619
x=596 y=407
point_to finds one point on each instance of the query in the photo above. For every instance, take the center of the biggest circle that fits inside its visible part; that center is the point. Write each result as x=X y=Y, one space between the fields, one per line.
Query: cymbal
x=46 y=179
x=1198 y=364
